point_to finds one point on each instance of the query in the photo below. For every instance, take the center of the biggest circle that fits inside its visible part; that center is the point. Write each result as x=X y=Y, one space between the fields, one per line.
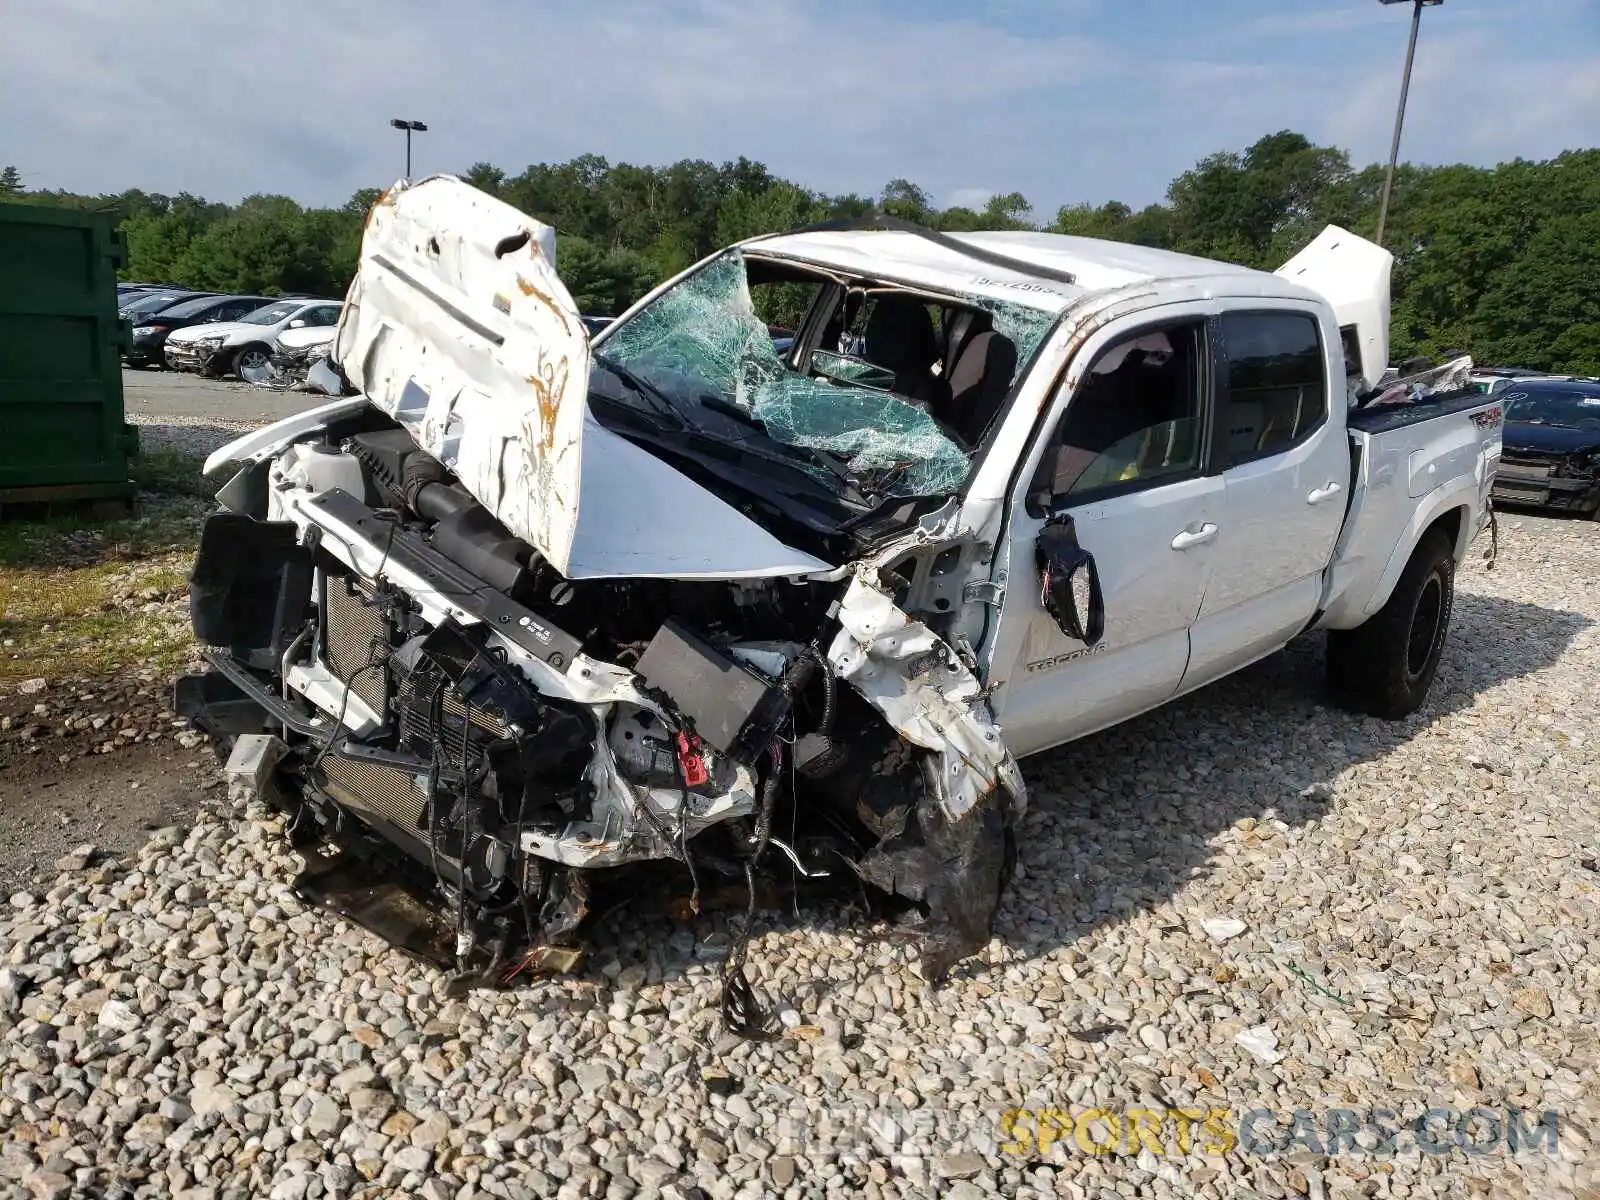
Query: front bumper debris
x=188 y=356
x=1536 y=485
x=403 y=700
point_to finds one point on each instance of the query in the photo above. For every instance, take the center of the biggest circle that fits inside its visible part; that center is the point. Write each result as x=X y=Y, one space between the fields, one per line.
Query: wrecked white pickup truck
x=527 y=612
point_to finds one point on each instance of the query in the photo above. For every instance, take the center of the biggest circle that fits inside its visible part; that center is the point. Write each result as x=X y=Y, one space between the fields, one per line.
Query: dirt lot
x=93 y=627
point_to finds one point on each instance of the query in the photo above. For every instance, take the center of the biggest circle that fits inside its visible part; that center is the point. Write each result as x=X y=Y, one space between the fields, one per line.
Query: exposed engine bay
x=492 y=742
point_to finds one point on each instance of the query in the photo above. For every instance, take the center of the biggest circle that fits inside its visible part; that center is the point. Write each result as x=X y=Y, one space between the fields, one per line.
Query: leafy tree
x=602 y=282
x=904 y=199
x=1498 y=262
x=960 y=219
x=1244 y=207
x=1545 y=311
x=1008 y=211
x=486 y=177
x=776 y=209
x=361 y=201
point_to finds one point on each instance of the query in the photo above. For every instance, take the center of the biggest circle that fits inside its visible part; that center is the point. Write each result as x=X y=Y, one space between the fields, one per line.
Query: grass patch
x=171 y=473
x=160 y=525
x=96 y=621
x=84 y=598
x=172 y=500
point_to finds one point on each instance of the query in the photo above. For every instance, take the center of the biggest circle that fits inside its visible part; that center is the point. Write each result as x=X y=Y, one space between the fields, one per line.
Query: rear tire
x=1384 y=667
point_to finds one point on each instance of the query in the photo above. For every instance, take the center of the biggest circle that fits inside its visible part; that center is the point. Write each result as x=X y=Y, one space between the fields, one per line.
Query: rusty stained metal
x=431 y=338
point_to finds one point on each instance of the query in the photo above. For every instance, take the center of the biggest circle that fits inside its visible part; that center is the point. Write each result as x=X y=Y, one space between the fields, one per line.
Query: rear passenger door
x=1285 y=466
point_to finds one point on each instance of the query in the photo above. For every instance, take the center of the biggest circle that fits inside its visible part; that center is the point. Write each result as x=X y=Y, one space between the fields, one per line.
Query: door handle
x=1186 y=539
x=1320 y=494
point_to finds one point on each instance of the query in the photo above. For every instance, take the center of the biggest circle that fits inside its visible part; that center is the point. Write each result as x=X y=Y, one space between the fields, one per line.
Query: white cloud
x=1309 y=22
x=1472 y=102
x=222 y=101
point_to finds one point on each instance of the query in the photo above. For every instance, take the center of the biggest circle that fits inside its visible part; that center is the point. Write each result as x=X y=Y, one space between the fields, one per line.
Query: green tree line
x=1502 y=263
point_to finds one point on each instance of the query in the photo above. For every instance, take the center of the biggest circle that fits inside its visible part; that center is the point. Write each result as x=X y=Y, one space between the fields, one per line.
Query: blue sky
x=1064 y=100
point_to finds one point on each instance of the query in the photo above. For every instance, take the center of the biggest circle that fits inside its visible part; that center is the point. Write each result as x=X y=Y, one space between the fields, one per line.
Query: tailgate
x=1411 y=464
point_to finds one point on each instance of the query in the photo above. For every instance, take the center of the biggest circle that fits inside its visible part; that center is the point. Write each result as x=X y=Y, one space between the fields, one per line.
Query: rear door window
x=1274 y=392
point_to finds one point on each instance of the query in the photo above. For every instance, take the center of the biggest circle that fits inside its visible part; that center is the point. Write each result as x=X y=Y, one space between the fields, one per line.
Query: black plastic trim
x=476 y=597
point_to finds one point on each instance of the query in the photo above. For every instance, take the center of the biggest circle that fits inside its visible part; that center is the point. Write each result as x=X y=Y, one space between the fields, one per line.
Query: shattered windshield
x=702 y=343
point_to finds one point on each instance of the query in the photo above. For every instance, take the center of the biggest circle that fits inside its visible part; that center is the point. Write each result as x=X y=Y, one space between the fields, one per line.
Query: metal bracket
x=986 y=591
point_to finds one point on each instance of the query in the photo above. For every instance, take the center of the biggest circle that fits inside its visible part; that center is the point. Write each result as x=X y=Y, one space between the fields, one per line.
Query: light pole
x=1400 y=113
x=411 y=127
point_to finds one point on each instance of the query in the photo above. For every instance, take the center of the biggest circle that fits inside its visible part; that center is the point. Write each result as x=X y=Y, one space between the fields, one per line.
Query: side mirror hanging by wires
x=1070 y=581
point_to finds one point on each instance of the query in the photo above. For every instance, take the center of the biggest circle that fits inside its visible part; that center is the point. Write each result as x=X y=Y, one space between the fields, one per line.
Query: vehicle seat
x=900 y=338
x=958 y=327
x=979 y=382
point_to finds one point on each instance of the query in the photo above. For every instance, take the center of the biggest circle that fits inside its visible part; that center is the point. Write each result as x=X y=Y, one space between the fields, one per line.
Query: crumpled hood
x=458 y=327
x=312 y=335
x=222 y=329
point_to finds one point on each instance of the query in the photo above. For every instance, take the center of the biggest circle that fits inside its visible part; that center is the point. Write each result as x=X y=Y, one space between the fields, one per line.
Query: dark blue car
x=1550 y=454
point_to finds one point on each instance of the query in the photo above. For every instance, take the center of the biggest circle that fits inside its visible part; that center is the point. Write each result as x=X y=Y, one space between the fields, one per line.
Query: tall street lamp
x=411 y=127
x=1400 y=114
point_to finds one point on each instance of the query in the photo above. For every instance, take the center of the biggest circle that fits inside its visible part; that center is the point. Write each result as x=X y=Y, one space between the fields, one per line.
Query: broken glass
x=1026 y=327
x=703 y=337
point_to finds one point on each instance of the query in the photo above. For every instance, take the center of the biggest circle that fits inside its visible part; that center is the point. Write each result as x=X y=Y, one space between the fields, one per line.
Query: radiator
x=376 y=789
x=356 y=640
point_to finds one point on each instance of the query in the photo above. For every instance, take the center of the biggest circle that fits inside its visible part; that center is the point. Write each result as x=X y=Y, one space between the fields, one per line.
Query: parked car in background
x=596 y=324
x=143 y=304
x=127 y=288
x=1551 y=454
x=234 y=346
x=1490 y=380
x=150 y=332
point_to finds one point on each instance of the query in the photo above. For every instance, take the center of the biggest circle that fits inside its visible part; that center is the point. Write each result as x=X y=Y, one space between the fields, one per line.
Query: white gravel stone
x=1220 y=929
x=119 y=1017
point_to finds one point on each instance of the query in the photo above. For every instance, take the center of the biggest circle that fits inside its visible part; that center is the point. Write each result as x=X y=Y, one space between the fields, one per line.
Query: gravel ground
x=193 y=400
x=1246 y=901
x=196 y=415
x=188 y=433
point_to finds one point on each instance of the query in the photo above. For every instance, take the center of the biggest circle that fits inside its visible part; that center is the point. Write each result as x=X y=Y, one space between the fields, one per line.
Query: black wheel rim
x=1425 y=626
x=252 y=358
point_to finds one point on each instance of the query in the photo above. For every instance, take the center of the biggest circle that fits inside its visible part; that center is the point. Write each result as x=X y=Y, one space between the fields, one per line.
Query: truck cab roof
x=1094 y=265
x=1052 y=271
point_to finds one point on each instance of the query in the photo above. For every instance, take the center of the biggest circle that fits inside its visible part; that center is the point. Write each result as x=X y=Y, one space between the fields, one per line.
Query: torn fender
x=913 y=677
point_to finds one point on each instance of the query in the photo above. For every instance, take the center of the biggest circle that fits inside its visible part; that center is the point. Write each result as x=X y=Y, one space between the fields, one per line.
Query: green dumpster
x=62 y=433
